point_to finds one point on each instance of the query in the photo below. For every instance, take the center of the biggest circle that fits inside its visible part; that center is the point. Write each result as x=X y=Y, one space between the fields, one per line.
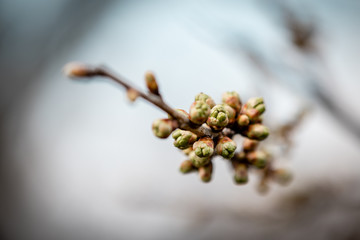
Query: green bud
x=205 y=172
x=282 y=176
x=257 y=131
x=204 y=147
x=243 y=120
x=198 y=161
x=162 y=128
x=199 y=112
x=241 y=174
x=186 y=166
x=226 y=147
x=250 y=144
x=231 y=113
x=253 y=108
x=232 y=99
x=183 y=139
x=205 y=98
x=258 y=158
x=218 y=117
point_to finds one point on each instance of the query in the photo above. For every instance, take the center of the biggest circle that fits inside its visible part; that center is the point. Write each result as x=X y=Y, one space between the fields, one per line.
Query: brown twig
x=82 y=70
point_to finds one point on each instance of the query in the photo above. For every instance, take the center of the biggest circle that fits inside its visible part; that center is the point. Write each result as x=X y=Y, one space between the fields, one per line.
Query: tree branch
x=83 y=70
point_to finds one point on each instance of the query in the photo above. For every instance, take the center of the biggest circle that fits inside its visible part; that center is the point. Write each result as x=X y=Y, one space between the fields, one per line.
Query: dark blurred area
x=67 y=163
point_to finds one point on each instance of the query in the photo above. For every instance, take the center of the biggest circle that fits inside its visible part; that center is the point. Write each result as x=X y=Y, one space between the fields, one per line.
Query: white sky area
x=91 y=160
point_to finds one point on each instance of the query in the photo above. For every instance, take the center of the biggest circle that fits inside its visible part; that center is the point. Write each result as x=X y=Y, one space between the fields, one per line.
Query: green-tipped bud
x=253 y=108
x=257 y=131
x=199 y=112
x=243 y=120
x=250 y=144
x=204 y=147
x=182 y=112
x=282 y=176
x=183 y=139
x=258 y=158
x=186 y=166
x=198 y=161
x=226 y=147
x=218 y=117
x=205 y=172
x=256 y=103
x=231 y=113
x=151 y=83
x=162 y=128
x=232 y=99
x=205 y=98
x=241 y=174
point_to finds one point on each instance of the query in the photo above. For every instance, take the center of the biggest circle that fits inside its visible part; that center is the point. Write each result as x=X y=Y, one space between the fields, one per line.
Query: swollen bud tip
x=204 y=147
x=232 y=99
x=218 y=118
x=257 y=132
x=226 y=147
x=202 y=97
x=183 y=139
x=199 y=112
x=162 y=128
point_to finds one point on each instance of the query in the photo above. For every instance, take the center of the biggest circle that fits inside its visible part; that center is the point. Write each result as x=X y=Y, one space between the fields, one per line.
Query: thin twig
x=183 y=122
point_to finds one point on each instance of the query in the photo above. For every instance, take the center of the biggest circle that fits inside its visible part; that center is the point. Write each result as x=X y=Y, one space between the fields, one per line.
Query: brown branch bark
x=81 y=70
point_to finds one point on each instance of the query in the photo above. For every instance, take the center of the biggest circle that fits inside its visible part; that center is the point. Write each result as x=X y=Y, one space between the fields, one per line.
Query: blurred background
x=78 y=161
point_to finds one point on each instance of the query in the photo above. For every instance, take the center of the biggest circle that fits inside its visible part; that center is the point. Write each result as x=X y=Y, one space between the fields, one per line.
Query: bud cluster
x=225 y=120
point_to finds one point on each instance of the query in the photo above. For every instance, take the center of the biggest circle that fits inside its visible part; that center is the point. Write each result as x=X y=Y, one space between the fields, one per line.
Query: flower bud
x=226 y=147
x=198 y=161
x=183 y=139
x=205 y=98
x=282 y=176
x=243 y=120
x=151 y=83
x=77 y=69
x=218 y=117
x=182 y=112
x=257 y=131
x=204 y=147
x=162 y=128
x=250 y=144
x=132 y=94
x=258 y=158
x=205 y=172
x=253 y=108
x=232 y=99
x=231 y=113
x=241 y=174
x=199 y=112
x=186 y=166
